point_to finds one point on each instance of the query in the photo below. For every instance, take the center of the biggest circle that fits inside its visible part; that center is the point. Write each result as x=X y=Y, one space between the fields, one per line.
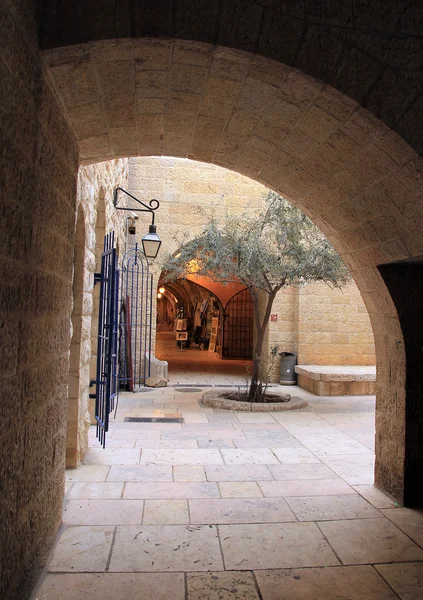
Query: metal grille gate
x=124 y=329
x=238 y=327
x=106 y=376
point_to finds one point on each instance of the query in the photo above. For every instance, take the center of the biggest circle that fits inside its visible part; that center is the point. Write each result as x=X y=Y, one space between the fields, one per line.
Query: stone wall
x=96 y=185
x=321 y=325
x=38 y=168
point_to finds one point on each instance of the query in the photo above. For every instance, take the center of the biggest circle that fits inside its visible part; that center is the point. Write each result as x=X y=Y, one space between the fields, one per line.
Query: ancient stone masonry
x=96 y=217
x=328 y=115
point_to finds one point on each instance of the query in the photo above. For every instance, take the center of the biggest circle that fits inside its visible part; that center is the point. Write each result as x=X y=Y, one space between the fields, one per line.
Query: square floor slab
x=82 y=549
x=355 y=470
x=239 y=489
x=221 y=586
x=271 y=546
x=294 y=455
x=103 y=512
x=406 y=579
x=189 y=473
x=91 y=491
x=140 y=473
x=240 y=510
x=410 y=521
x=176 y=489
x=348 y=583
x=112 y=456
x=165 y=512
x=370 y=541
x=238 y=473
x=181 y=457
x=166 y=548
x=259 y=456
x=331 y=508
x=377 y=498
x=112 y=586
x=88 y=473
x=304 y=487
x=301 y=471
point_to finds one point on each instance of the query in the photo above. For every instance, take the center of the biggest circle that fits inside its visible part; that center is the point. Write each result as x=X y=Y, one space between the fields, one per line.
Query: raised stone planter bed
x=325 y=380
x=216 y=400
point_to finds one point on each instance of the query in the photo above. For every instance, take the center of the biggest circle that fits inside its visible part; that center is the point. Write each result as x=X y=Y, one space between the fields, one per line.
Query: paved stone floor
x=234 y=506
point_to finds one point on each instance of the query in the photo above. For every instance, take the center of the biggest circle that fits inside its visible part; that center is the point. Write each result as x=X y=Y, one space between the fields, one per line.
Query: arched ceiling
x=370 y=51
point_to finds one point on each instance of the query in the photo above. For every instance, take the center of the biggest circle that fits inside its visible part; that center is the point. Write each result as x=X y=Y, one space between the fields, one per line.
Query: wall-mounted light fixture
x=159 y=295
x=162 y=290
x=151 y=242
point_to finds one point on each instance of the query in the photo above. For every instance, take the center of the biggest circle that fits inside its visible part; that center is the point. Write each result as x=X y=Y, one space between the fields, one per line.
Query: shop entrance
x=196 y=329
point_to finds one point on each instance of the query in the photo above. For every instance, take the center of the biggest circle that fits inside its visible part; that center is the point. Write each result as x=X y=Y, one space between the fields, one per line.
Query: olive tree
x=276 y=247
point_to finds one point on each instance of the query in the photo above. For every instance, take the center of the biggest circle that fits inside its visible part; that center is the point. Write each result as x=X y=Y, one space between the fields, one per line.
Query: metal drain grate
x=154 y=419
x=187 y=390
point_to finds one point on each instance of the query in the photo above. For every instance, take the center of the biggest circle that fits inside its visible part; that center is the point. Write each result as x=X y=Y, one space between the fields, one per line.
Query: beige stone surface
x=244 y=489
x=318 y=487
x=405 y=578
x=177 y=489
x=409 y=521
x=189 y=473
x=109 y=586
x=93 y=545
x=165 y=512
x=219 y=585
x=330 y=508
x=348 y=583
x=273 y=545
x=166 y=548
x=370 y=541
x=240 y=510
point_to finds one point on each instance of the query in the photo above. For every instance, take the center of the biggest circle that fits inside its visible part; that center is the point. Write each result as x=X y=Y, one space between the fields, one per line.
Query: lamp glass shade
x=151 y=243
x=162 y=290
x=159 y=296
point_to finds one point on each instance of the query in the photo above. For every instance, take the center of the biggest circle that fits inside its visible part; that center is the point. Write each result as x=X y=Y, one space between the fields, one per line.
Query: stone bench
x=327 y=380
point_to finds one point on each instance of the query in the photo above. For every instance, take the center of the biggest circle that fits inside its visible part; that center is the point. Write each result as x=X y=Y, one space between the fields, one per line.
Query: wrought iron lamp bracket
x=151 y=207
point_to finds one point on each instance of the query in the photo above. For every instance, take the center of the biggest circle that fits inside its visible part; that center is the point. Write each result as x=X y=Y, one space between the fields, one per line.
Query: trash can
x=288 y=362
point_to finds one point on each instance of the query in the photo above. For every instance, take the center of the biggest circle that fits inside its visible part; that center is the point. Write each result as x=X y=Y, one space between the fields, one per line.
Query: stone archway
x=354 y=177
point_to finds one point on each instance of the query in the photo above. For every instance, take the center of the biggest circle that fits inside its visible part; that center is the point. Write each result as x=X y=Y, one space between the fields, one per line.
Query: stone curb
x=215 y=400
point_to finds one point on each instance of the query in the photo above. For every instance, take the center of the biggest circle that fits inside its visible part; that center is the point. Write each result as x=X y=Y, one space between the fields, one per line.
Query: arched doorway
x=238 y=330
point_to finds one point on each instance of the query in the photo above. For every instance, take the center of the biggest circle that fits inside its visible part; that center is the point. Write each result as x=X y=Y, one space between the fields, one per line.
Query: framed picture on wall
x=214 y=330
x=181 y=336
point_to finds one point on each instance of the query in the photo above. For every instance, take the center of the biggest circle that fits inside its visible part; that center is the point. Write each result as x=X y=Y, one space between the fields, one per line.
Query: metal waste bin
x=288 y=362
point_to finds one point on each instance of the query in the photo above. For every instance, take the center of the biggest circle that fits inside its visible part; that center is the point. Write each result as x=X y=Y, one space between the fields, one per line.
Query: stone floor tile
x=113 y=586
x=120 y=443
x=181 y=457
x=238 y=473
x=333 y=444
x=258 y=426
x=108 y=491
x=348 y=583
x=112 y=456
x=254 y=417
x=103 y=512
x=177 y=489
x=68 y=486
x=260 y=456
x=166 y=548
x=240 y=510
x=301 y=471
x=140 y=473
x=355 y=470
x=295 y=455
x=166 y=444
x=216 y=444
x=88 y=473
x=370 y=541
x=165 y=512
x=185 y=435
x=189 y=473
x=410 y=521
x=274 y=545
x=195 y=418
x=331 y=508
x=405 y=578
x=316 y=487
x=82 y=549
x=377 y=498
x=226 y=434
x=240 y=489
x=221 y=586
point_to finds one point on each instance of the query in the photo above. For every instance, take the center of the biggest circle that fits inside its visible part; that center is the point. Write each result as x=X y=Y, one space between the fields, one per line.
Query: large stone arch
x=357 y=179
x=370 y=52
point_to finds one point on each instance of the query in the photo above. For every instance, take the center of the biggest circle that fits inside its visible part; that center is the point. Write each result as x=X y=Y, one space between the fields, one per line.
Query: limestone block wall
x=38 y=167
x=322 y=326
x=96 y=185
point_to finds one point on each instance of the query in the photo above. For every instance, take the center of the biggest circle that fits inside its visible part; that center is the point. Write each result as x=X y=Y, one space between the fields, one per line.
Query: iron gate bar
x=106 y=375
x=238 y=327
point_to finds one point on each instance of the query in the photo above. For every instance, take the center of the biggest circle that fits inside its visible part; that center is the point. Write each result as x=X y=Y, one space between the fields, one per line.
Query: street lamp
x=151 y=242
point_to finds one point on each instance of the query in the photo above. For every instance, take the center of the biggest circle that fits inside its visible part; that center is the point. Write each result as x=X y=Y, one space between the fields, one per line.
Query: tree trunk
x=255 y=390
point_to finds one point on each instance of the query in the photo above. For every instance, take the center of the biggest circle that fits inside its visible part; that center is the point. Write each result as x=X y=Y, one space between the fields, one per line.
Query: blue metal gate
x=106 y=376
